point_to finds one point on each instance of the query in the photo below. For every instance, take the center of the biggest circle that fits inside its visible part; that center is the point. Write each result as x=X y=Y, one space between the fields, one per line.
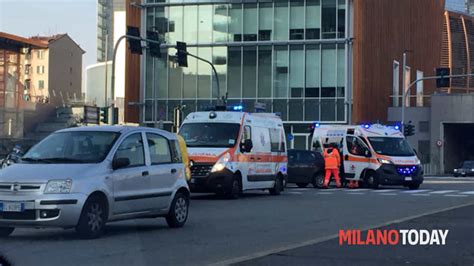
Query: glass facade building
x=289 y=54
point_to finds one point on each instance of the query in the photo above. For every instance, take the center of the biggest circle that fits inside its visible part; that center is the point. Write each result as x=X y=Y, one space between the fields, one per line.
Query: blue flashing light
x=238 y=108
x=366 y=126
x=317 y=124
x=397 y=127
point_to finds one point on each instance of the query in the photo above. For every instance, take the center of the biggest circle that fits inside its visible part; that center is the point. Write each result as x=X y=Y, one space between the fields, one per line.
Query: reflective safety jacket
x=332 y=160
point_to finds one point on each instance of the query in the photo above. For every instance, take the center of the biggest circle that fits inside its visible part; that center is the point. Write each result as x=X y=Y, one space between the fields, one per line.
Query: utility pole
x=106 y=66
x=403 y=84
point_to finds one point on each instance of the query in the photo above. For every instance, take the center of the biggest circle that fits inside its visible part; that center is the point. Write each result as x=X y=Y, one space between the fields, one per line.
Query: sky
x=48 y=17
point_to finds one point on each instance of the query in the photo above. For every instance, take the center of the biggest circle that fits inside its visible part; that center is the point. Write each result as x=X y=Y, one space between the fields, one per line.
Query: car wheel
x=277 y=188
x=235 y=189
x=414 y=186
x=371 y=180
x=179 y=209
x=302 y=185
x=318 y=181
x=93 y=218
x=6 y=231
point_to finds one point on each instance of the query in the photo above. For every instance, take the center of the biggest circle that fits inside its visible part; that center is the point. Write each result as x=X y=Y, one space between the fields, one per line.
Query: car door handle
x=173 y=171
x=145 y=173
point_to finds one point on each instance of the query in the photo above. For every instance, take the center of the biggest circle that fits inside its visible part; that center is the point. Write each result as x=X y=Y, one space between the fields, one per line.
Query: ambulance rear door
x=356 y=157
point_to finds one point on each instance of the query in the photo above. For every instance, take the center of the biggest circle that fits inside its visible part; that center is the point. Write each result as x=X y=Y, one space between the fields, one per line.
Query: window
x=265 y=22
x=40 y=84
x=297 y=20
x=419 y=89
x=313 y=25
x=396 y=83
x=264 y=71
x=247 y=134
x=281 y=20
x=40 y=54
x=132 y=149
x=234 y=72
x=27 y=69
x=175 y=152
x=407 y=83
x=235 y=26
x=355 y=146
x=159 y=149
x=40 y=69
x=277 y=140
x=250 y=22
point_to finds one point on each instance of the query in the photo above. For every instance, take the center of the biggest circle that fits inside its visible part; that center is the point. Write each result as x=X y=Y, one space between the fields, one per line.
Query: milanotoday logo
x=404 y=237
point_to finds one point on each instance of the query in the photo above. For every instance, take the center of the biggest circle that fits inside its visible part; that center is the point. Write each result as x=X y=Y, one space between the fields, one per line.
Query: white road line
x=416 y=191
x=420 y=194
x=456 y=195
x=294 y=193
x=356 y=193
x=361 y=189
x=388 y=194
x=329 y=237
x=324 y=193
x=468 y=192
x=301 y=189
x=443 y=191
x=384 y=190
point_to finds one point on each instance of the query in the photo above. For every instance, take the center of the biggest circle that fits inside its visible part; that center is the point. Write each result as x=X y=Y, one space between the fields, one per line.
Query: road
x=251 y=230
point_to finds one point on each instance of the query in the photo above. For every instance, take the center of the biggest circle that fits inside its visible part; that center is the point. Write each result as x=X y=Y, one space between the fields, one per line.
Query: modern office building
x=105 y=27
x=328 y=61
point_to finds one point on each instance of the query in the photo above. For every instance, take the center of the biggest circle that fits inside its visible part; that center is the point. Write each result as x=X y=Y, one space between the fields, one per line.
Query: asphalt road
x=247 y=230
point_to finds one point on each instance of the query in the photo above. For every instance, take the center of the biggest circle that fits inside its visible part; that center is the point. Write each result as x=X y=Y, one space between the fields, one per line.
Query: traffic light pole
x=407 y=91
x=213 y=69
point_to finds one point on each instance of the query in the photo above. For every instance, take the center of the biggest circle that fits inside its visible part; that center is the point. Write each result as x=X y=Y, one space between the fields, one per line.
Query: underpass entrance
x=458 y=144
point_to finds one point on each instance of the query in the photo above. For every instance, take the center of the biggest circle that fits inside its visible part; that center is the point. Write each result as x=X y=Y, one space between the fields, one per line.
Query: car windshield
x=210 y=134
x=72 y=147
x=391 y=146
x=468 y=164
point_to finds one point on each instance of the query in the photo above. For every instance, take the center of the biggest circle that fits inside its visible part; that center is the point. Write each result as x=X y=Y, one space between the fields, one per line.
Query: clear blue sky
x=47 y=17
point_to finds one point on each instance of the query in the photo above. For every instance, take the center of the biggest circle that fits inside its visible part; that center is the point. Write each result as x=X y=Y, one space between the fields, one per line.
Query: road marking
x=324 y=193
x=455 y=195
x=329 y=237
x=420 y=194
x=294 y=192
x=468 y=192
x=448 y=182
x=356 y=193
x=416 y=191
x=362 y=189
x=301 y=189
x=384 y=190
x=443 y=191
x=388 y=194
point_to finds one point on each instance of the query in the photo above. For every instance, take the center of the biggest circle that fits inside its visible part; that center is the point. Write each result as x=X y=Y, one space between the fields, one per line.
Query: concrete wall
x=65 y=70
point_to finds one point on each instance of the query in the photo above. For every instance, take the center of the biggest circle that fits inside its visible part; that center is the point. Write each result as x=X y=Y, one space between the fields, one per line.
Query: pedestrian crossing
x=453 y=193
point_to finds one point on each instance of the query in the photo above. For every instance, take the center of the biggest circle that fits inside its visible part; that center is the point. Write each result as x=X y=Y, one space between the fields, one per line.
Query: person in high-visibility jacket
x=332 y=162
x=184 y=155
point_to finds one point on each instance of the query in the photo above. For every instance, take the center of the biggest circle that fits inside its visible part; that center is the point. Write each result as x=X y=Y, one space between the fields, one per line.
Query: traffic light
x=135 y=45
x=115 y=116
x=443 y=82
x=408 y=130
x=154 y=48
x=104 y=115
x=181 y=54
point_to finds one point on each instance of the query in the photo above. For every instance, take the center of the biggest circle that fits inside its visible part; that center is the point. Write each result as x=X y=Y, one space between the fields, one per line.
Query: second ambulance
x=372 y=154
x=231 y=152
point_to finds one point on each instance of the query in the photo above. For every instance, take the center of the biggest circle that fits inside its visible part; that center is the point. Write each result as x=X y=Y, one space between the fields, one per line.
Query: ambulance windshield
x=391 y=146
x=210 y=134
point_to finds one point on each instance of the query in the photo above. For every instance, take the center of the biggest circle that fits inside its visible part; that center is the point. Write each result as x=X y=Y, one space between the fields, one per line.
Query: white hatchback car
x=84 y=177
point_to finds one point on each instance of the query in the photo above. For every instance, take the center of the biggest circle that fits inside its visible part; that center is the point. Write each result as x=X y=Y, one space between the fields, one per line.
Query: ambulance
x=231 y=152
x=372 y=154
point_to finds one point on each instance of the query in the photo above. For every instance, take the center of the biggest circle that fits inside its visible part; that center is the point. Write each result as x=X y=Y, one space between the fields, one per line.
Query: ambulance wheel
x=278 y=187
x=414 y=186
x=235 y=189
x=302 y=185
x=318 y=181
x=371 y=180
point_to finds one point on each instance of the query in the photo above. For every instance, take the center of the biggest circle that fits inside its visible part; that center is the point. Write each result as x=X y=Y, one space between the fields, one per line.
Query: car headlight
x=455 y=170
x=58 y=186
x=221 y=164
x=384 y=161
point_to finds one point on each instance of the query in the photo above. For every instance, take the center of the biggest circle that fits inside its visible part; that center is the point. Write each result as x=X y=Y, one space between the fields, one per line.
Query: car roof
x=119 y=129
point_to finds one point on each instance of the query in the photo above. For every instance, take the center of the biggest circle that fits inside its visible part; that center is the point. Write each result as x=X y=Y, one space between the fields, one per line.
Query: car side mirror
x=246 y=146
x=120 y=163
x=367 y=154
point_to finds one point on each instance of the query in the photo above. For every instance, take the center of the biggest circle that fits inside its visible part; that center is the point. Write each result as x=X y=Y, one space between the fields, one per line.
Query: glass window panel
x=341 y=18
x=296 y=110
x=148 y=110
x=264 y=71
x=340 y=92
x=175 y=76
x=132 y=148
x=189 y=107
x=235 y=26
x=234 y=71
x=161 y=22
x=175 y=24
x=191 y=30
x=280 y=72
x=328 y=110
x=249 y=72
x=281 y=20
x=313 y=70
x=328 y=66
x=340 y=110
x=203 y=105
x=171 y=106
x=149 y=77
x=311 y=110
x=204 y=73
x=205 y=24
x=150 y=15
x=280 y=106
x=296 y=20
x=161 y=75
x=219 y=59
x=221 y=20
x=313 y=19
x=250 y=22
x=248 y=105
x=268 y=105
x=159 y=149
x=265 y=26
x=329 y=19
x=341 y=66
x=190 y=76
x=296 y=67
x=328 y=92
x=161 y=111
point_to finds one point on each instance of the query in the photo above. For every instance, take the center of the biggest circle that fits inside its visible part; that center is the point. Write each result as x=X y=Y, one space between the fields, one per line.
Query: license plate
x=408 y=178
x=11 y=207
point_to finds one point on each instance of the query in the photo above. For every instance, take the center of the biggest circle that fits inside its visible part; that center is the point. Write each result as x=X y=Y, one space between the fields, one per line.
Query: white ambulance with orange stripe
x=231 y=152
x=373 y=154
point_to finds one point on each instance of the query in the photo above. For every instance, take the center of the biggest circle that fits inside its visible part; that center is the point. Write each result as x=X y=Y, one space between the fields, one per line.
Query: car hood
x=41 y=173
